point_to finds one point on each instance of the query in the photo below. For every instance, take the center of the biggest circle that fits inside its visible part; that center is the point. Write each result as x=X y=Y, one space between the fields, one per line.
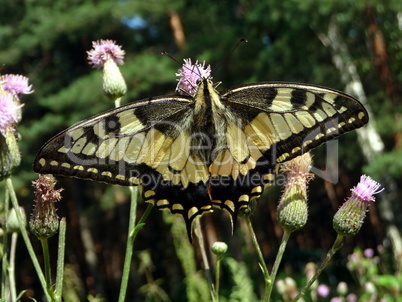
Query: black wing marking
x=275 y=122
x=110 y=146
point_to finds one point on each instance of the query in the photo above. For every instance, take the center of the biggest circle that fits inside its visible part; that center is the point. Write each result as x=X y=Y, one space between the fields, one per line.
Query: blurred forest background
x=353 y=46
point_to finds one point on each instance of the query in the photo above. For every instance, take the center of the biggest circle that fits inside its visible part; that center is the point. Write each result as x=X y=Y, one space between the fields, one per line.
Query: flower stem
x=133 y=230
x=278 y=259
x=11 y=267
x=130 y=245
x=217 y=277
x=263 y=266
x=60 y=259
x=117 y=103
x=207 y=269
x=5 y=247
x=335 y=247
x=27 y=242
x=46 y=259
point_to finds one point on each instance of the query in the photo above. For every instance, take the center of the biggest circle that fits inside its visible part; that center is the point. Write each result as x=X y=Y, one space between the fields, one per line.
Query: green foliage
x=386 y=165
x=152 y=290
x=369 y=274
x=48 y=40
x=72 y=285
x=197 y=288
x=242 y=289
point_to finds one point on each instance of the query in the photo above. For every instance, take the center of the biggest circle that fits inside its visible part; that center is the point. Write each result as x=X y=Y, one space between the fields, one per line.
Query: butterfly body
x=190 y=153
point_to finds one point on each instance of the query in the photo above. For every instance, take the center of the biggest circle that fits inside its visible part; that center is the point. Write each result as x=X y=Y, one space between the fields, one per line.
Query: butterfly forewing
x=285 y=120
x=112 y=146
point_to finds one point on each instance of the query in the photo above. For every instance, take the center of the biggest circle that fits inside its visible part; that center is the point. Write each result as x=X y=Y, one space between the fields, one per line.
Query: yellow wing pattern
x=188 y=157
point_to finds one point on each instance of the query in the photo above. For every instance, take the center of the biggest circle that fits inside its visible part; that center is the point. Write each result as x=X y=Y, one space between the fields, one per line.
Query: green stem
x=117 y=102
x=46 y=259
x=142 y=220
x=218 y=277
x=133 y=230
x=60 y=259
x=278 y=259
x=261 y=260
x=200 y=239
x=130 y=245
x=5 y=246
x=27 y=242
x=11 y=267
x=335 y=247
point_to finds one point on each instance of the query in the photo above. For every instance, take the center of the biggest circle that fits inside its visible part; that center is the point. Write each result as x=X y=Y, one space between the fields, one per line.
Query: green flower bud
x=292 y=210
x=219 y=248
x=10 y=156
x=280 y=287
x=350 y=217
x=342 y=288
x=12 y=221
x=370 y=288
x=113 y=81
x=310 y=270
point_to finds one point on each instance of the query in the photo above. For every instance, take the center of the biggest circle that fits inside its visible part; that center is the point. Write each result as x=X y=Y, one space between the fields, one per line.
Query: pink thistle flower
x=365 y=189
x=369 y=253
x=104 y=50
x=16 y=84
x=9 y=112
x=351 y=298
x=323 y=290
x=189 y=75
x=350 y=216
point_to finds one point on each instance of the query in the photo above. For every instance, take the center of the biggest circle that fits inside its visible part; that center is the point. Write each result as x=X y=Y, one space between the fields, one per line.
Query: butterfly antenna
x=165 y=53
x=229 y=54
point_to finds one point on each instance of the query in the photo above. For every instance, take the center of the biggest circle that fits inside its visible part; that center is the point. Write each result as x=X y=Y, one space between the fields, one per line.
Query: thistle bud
x=113 y=82
x=280 y=287
x=44 y=221
x=350 y=216
x=342 y=288
x=219 y=248
x=107 y=55
x=10 y=156
x=13 y=224
x=292 y=208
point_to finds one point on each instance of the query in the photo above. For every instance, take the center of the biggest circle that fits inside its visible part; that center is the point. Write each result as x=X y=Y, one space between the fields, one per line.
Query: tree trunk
x=381 y=59
x=178 y=32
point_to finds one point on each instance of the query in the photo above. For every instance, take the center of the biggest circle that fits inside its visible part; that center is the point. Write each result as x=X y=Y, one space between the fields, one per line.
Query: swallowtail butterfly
x=207 y=148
